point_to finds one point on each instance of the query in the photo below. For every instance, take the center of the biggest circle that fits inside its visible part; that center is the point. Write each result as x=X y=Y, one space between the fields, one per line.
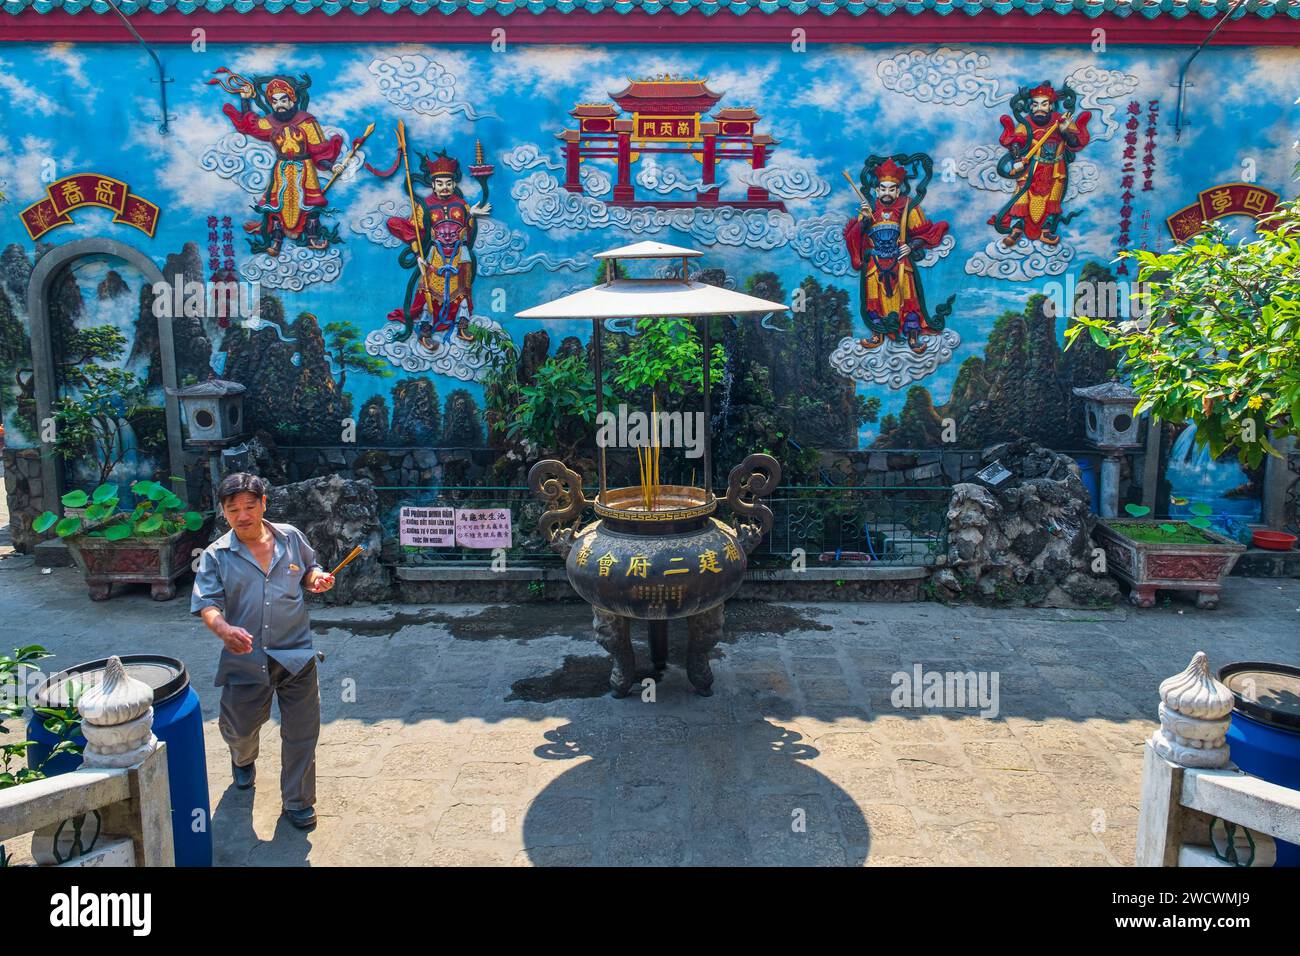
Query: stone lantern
x=1111 y=428
x=214 y=419
x=214 y=410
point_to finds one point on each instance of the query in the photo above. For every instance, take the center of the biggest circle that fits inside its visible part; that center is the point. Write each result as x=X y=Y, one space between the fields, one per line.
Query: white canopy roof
x=651 y=298
x=648 y=250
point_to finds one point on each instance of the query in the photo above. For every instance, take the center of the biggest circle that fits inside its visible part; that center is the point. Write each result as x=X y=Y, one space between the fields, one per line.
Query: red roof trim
x=402 y=26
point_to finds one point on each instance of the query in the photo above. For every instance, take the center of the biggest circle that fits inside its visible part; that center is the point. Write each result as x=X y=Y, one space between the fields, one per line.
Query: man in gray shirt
x=249 y=591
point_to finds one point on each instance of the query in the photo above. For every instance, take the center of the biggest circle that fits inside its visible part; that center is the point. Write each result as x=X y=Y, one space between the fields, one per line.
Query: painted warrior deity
x=1041 y=142
x=294 y=199
x=440 y=235
x=885 y=241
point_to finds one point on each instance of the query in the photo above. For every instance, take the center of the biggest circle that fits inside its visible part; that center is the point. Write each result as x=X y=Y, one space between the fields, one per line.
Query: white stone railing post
x=117 y=722
x=1192 y=806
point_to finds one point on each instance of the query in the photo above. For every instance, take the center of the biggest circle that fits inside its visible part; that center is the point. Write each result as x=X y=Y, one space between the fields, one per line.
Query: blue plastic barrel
x=177 y=721
x=1264 y=736
x=1088 y=475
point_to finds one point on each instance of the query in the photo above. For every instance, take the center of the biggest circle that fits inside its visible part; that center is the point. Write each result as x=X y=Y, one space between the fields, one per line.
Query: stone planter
x=157 y=562
x=1148 y=566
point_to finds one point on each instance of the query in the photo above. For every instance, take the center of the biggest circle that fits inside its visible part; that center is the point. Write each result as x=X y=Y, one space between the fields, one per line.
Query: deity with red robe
x=294 y=199
x=1040 y=145
x=443 y=228
x=885 y=241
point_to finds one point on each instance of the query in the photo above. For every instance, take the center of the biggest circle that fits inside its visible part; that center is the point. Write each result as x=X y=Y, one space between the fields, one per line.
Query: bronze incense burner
x=674 y=561
x=655 y=552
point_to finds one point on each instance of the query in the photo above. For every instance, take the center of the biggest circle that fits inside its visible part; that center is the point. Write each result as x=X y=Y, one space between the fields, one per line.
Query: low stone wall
x=24 y=488
x=1259 y=563
x=892 y=469
x=389 y=467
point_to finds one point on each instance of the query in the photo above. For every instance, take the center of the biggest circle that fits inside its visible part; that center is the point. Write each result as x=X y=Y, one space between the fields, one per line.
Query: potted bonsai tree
x=1217 y=345
x=151 y=544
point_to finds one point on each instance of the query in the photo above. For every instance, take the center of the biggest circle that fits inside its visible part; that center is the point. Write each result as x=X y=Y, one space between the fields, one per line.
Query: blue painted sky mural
x=93 y=108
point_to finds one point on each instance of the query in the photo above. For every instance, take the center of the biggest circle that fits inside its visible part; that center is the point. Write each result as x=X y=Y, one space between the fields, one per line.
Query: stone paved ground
x=430 y=762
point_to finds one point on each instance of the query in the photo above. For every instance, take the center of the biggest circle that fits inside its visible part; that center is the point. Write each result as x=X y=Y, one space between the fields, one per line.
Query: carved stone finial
x=117 y=719
x=1195 y=710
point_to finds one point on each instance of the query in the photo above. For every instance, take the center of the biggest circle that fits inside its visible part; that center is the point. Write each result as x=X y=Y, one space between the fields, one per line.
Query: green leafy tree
x=91 y=420
x=346 y=350
x=62 y=721
x=559 y=409
x=1219 y=341
x=500 y=379
x=666 y=356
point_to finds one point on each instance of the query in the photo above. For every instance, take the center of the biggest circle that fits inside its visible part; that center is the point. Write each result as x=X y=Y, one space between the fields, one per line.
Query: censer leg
x=612 y=634
x=658 y=646
x=704 y=630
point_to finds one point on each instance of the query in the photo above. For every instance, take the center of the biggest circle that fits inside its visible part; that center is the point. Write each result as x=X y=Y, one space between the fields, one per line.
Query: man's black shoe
x=244 y=776
x=303 y=819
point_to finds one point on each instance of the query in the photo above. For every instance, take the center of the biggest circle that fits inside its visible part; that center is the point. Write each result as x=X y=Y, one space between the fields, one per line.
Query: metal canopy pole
x=600 y=403
x=708 y=413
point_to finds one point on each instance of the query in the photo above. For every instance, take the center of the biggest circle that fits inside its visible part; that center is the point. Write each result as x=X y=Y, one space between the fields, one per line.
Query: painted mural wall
x=929 y=212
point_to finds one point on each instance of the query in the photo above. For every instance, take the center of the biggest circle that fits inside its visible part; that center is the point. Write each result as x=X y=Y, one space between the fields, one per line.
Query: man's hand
x=483 y=210
x=236 y=639
x=318 y=581
x=904 y=249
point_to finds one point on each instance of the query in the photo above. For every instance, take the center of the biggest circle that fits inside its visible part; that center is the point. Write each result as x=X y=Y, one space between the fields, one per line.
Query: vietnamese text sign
x=427 y=527
x=483 y=527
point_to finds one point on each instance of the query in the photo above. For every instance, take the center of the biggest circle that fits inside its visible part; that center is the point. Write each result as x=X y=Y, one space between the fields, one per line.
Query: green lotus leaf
x=103 y=493
x=1169 y=528
x=116 y=532
x=44 y=522
x=149 y=525
x=1199 y=522
x=97 y=513
x=67 y=526
x=1203 y=510
x=193 y=521
x=75 y=499
x=97 y=533
x=171 y=502
x=1137 y=511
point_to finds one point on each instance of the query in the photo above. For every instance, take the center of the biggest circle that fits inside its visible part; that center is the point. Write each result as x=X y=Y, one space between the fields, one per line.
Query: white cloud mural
x=893 y=363
x=1027 y=259
x=452 y=357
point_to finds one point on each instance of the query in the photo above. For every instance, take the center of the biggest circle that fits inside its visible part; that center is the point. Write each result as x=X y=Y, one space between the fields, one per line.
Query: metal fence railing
x=901 y=525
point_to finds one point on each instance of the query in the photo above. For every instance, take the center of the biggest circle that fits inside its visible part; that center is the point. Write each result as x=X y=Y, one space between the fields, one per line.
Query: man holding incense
x=249 y=591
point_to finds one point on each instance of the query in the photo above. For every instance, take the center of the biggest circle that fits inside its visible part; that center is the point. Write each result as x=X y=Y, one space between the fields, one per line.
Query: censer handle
x=561 y=488
x=754 y=478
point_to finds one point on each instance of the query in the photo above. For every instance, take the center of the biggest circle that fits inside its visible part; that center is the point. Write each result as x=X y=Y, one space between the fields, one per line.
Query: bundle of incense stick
x=648 y=460
x=354 y=553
